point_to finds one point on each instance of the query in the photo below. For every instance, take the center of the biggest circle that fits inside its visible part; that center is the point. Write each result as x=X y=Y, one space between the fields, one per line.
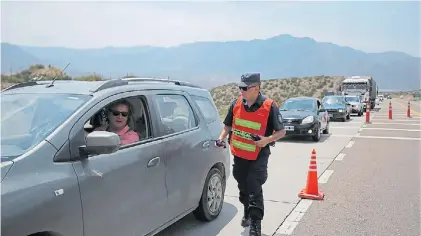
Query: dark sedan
x=305 y=116
x=337 y=107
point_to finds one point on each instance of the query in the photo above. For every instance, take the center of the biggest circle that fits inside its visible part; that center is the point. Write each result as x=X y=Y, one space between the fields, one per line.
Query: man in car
x=118 y=115
x=251 y=115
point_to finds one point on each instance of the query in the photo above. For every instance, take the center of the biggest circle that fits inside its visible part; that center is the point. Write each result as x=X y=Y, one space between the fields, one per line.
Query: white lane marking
x=325 y=176
x=340 y=157
x=409 y=130
x=391 y=123
x=393 y=113
x=398 y=118
x=349 y=145
x=387 y=114
x=345 y=127
x=294 y=217
x=360 y=130
x=409 y=119
x=303 y=205
x=375 y=137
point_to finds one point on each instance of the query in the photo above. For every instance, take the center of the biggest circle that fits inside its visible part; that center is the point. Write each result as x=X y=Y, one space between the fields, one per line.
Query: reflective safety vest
x=246 y=123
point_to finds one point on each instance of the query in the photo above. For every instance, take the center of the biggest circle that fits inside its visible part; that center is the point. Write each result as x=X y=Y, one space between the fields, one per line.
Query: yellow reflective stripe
x=242 y=134
x=244 y=146
x=247 y=124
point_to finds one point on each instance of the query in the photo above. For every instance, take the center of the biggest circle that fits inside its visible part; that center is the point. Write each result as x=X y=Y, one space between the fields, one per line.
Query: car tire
x=348 y=116
x=316 y=137
x=343 y=119
x=326 y=130
x=213 y=189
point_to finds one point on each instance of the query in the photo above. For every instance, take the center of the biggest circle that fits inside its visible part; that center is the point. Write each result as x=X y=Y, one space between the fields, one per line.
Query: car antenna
x=52 y=82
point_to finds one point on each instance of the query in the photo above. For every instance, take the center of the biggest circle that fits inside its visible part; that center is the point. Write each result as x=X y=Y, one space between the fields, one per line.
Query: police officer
x=253 y=122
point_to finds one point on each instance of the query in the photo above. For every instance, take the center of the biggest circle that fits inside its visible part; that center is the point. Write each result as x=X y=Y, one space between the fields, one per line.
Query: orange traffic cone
x=311 y=191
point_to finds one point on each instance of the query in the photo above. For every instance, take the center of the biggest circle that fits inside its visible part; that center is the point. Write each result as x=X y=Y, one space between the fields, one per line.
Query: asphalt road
x=414 y=105
x=374 y=184
x=288 y=166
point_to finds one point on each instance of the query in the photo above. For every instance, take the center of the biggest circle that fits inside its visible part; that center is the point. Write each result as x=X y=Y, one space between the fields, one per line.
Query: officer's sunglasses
x=117 y=113
x=245 y=88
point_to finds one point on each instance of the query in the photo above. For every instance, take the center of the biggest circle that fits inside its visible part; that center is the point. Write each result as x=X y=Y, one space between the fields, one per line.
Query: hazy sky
x=368 y=26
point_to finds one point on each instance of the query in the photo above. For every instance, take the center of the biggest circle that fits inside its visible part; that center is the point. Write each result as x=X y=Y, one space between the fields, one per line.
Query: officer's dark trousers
x=250 y=176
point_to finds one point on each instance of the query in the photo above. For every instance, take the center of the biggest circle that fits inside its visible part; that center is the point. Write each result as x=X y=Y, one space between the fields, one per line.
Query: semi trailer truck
x=363 y=86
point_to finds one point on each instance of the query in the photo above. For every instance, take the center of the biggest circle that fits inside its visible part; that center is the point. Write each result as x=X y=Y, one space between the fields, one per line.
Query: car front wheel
x=212 y=199
x=326 y=131
x=316 y=136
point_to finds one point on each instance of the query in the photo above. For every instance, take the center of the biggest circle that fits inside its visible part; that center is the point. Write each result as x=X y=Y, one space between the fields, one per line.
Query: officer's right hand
x=220 y=143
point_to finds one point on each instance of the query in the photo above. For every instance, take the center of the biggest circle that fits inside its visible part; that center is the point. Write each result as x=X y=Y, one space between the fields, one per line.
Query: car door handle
x=206 y=144
x=154 y=162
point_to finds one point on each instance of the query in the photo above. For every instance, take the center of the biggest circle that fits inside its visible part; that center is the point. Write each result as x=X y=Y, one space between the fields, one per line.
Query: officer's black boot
x=255 y=228
x=246 y=218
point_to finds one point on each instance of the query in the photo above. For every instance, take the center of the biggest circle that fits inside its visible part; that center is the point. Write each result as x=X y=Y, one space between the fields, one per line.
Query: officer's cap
x=248 y=79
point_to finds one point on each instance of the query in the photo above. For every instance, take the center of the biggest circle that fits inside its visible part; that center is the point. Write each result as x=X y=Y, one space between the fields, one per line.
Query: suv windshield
x=352 y=99
x=27 y=119
x=333 y=100
x=298 y=105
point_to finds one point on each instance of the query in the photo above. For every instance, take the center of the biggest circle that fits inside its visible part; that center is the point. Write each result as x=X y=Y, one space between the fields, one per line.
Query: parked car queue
x=310 y=116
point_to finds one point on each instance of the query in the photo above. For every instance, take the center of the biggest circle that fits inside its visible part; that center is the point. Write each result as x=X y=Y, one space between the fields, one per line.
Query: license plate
x=289 y=128
x=330 y=115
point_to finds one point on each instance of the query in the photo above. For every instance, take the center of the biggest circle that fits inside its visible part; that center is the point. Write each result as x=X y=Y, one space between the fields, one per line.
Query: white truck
x=364 y=86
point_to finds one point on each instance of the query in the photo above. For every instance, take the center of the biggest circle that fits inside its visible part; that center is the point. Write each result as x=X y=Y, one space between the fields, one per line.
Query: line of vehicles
x=310 y=116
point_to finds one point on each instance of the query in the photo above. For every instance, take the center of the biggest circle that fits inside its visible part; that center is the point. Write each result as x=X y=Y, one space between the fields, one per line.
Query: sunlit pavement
x=373 y=188
x=288 y=167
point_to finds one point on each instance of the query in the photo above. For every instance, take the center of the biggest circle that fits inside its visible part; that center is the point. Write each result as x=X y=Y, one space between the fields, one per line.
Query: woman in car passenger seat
x=118 y=116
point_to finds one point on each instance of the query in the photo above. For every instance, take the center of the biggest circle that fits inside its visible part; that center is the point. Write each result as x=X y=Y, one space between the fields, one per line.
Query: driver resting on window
x=118 y=116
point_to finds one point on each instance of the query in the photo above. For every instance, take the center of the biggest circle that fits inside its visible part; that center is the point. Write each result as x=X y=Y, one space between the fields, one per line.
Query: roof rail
x=125 y=81
x=110 y=84
x=176 y=82
x=21 y=85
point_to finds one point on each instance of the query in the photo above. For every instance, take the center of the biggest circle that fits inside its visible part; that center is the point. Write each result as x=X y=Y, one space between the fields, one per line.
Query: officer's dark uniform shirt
x=274 y=121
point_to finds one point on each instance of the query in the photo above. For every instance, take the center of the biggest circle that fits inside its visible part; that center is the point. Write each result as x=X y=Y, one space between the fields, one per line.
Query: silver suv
x=62 y=174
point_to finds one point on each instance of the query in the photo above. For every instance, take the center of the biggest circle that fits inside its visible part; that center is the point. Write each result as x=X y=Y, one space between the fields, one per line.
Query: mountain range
x=215 y=63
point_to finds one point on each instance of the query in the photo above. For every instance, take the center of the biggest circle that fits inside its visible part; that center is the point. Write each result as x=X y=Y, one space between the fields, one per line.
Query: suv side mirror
x=100 y=142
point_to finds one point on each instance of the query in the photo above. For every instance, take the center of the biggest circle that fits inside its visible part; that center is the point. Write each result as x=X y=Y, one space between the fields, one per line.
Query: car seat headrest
x=167 y=108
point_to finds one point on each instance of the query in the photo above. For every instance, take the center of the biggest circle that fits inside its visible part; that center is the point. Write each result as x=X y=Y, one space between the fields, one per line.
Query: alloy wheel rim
x=214 y=194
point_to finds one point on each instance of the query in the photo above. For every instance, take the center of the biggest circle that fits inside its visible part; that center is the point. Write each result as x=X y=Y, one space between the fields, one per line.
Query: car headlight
x=307 y=120
x=340 y=110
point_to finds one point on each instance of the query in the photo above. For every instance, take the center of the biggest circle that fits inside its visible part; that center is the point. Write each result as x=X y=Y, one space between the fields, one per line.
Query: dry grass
x=405 y=95
x=48 y=72
x=279 y=89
